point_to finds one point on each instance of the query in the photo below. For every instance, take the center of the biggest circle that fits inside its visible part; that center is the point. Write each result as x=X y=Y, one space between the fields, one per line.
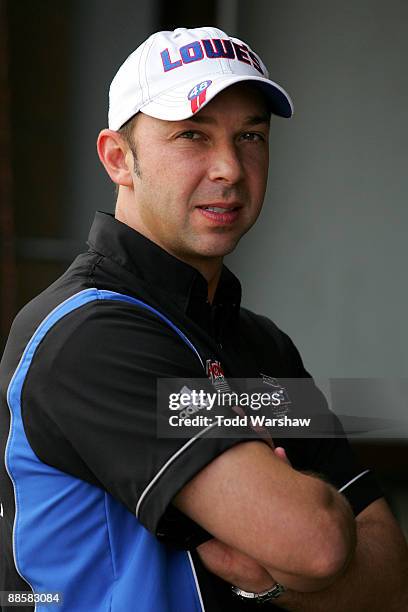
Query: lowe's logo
x=211 y=48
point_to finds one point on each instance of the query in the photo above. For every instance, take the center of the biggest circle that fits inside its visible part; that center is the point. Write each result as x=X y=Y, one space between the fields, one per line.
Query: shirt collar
x=152 y=264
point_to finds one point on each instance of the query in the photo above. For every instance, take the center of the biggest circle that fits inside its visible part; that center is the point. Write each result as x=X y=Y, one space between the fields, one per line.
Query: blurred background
x=327 y=260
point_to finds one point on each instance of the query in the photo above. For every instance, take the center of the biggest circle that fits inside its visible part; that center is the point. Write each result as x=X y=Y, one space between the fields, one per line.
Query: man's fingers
x=234 y=567
x=281 y=453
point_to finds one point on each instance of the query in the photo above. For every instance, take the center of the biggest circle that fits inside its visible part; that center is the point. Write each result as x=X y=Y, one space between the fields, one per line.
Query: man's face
x=201 y=181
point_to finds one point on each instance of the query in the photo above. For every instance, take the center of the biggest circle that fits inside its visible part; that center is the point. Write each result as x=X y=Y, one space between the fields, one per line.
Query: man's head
x=188 y=140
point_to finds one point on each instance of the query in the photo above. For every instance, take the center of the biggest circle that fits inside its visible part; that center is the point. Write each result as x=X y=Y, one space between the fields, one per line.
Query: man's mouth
x=218 y=209
x=220 y=215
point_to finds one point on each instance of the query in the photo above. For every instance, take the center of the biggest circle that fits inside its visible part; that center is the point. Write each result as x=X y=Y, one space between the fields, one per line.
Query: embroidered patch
x=284 y=399
x=197 y=95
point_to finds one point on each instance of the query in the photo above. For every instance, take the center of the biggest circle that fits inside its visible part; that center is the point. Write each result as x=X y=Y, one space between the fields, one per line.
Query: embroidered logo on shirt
x=214 y=370
x=216 y=375
x=278 y=388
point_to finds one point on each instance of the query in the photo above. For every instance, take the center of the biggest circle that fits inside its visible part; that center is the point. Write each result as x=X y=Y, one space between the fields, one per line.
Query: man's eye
x=252 y=137
x=190 y=135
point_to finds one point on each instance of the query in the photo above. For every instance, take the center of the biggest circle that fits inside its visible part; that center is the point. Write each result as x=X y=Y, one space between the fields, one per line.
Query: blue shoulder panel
x=72 y=537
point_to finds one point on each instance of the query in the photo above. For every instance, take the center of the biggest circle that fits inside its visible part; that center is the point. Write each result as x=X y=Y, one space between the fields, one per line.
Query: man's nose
x=225 y=165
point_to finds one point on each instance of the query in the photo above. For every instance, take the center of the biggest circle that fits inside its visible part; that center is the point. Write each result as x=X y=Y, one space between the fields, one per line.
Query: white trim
x=353 y=480
x=168 y=462
x=196 y=581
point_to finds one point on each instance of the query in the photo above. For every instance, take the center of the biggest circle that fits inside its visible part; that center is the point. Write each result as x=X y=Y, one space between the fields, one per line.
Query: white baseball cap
x=172 y=75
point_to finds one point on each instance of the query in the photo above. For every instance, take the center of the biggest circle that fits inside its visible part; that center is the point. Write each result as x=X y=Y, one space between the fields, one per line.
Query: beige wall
x=328 y=260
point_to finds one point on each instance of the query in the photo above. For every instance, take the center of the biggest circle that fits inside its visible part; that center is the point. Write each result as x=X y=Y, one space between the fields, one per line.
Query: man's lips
x=220 y=213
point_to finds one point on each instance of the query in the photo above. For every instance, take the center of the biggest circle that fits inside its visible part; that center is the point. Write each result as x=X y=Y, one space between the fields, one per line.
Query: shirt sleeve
x=89 y=409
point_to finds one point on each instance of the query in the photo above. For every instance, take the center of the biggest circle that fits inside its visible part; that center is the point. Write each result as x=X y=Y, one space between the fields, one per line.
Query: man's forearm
x=372 y=577
x=327 y=574
x=375 y=580
x=247 y=573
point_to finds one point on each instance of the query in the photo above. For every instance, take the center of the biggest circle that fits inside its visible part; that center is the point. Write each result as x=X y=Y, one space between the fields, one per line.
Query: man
x=100 y=512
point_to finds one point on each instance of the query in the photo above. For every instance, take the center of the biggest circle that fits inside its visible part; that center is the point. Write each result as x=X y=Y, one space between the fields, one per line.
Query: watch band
x=262 y=597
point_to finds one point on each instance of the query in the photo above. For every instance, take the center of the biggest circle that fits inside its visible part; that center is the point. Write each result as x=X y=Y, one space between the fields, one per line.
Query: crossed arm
x=272 y=523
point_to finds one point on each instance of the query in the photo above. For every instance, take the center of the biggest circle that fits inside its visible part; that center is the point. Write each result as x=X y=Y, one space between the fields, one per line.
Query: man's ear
x=112 y=151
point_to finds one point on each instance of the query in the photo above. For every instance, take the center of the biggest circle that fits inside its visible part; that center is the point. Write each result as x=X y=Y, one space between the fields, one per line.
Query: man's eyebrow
x=257 y=119
x=251 y=120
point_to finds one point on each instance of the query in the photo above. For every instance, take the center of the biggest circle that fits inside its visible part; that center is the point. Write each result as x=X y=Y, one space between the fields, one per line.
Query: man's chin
x=218 y=249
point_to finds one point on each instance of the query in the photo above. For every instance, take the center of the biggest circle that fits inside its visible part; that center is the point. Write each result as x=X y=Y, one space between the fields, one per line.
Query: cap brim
x=175 y=105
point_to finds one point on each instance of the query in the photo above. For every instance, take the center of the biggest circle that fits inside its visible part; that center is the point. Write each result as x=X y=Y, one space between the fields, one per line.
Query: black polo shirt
x=83 y=466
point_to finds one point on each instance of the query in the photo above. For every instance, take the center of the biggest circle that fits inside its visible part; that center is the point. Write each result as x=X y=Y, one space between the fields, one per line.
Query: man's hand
x=234 y=567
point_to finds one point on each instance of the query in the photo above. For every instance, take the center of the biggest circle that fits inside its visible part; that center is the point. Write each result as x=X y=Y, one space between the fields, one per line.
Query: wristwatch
x=262 y=597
